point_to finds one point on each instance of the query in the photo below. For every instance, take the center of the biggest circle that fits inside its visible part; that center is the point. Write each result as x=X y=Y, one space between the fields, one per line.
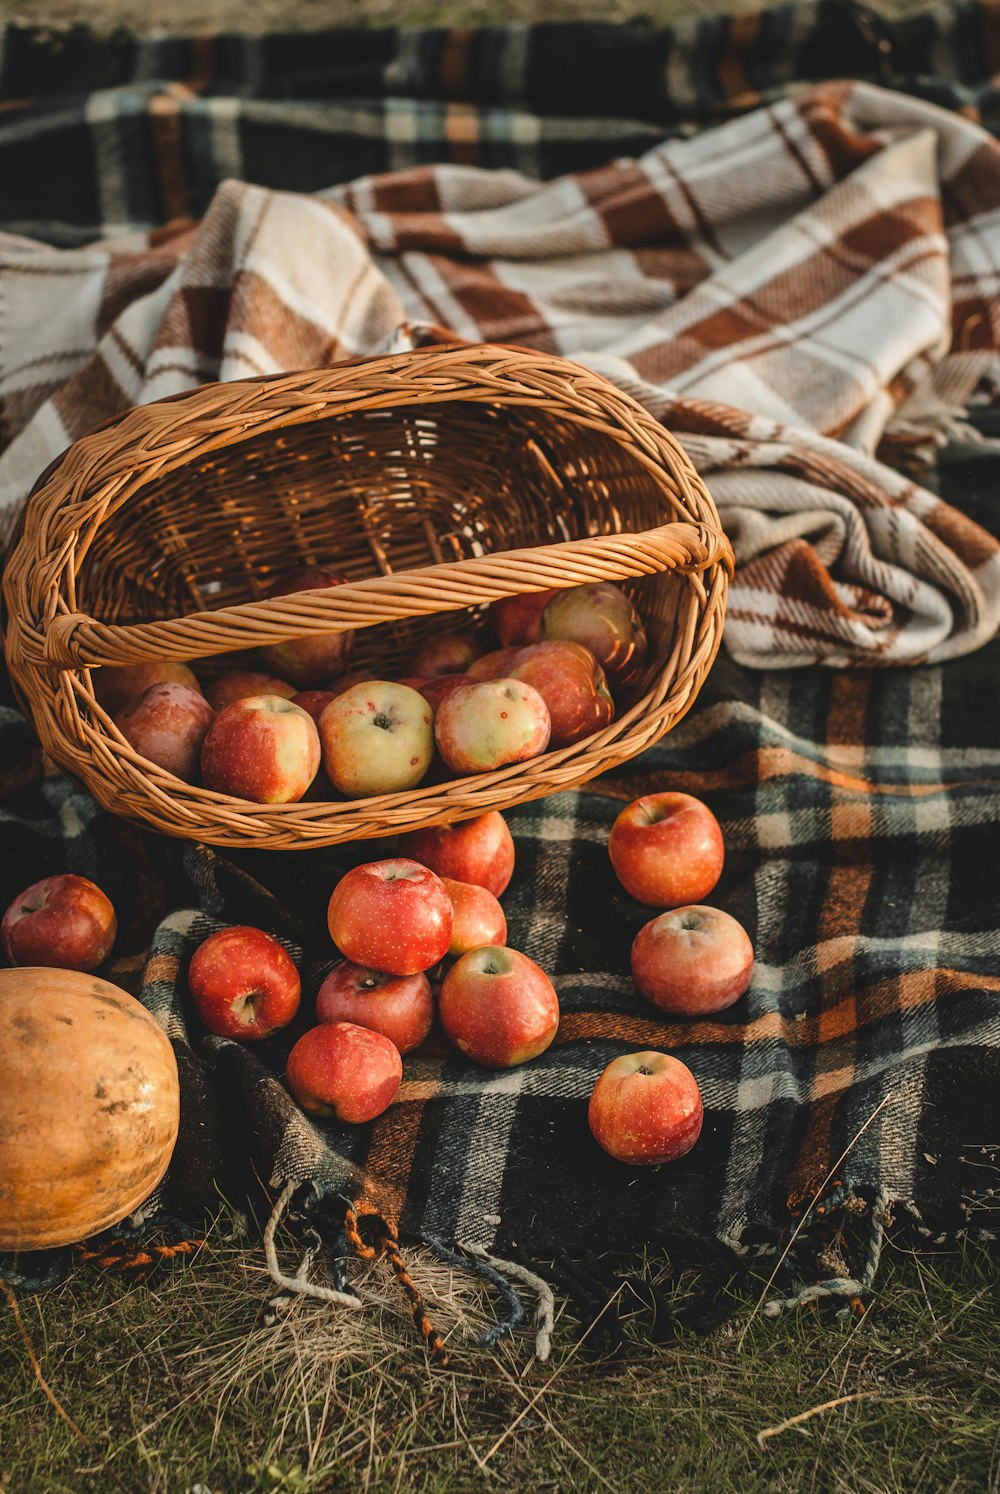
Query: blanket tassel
x=486 y=1270
x=545 y=1312
x=387 y=1245
x=854 y=1289
x=299 y=1285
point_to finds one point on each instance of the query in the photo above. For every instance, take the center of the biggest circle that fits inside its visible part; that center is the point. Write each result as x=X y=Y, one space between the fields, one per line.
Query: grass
x=179 y=1386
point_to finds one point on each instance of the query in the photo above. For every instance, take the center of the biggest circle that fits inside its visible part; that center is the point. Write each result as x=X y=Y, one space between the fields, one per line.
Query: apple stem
x=247 y=1007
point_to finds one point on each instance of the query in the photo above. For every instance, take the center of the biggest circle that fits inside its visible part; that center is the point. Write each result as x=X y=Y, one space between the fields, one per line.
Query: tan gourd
x=89 y=1106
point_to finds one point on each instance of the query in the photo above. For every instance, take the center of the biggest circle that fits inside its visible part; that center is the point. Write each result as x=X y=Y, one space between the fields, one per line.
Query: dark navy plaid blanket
x=98 y=135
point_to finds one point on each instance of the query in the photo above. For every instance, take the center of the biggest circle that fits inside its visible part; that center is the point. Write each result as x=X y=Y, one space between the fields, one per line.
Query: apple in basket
x=243 y=983
x=517 y=620
x=63 y=921
x=340 y=1071
x=391 y=915
x=692 y=962
x=444 y=654
x=490 y=725
x=239 y=684
x=498 y=1007
x=667 y=849
x=400 y=1007
x=167 y=724
x=316 y=701
x=436 y=690
x=262 y=748
x=600 y=616
x=480 y=850
x=646 y=1108
x=478 y=918
x=341 y=682
x=309 y=661
x=116 y=685
x=378 y=738
x=492 y=666
x=572 y=684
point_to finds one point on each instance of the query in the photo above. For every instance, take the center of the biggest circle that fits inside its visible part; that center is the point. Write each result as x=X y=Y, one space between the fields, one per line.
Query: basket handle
x=75 y=640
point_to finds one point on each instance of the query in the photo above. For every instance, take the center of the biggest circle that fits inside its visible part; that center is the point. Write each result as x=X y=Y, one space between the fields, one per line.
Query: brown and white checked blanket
x=805 y=295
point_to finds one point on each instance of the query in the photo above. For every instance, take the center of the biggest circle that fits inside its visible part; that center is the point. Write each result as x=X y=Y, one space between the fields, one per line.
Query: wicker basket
x=156 y=537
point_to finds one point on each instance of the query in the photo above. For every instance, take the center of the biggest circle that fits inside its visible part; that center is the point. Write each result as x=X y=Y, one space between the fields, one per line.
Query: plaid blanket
x=787 y=292
x=859 y=807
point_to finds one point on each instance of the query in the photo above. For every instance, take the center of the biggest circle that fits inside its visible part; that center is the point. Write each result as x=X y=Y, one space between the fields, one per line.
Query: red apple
x=391 y=915
x=492 y=666
x=309 y=661
x=489 y=725
x=600 y=616
x=445 y=653
x=478 y=917
x=63 y=921
x=517 y=619
x=314 y=702
x=692 y=961
x=243 y=983
x=498 y=1007
x=572 y=685
x=342 y=682
x=240 y=684
x=167 y=724
x=116 y=685
x=344 y=1072
x=646 y=1108
x=262 y=748
x=479 y=850
x=378 y=738
x=401 y=1007
x=435 y=691
x=667 y=849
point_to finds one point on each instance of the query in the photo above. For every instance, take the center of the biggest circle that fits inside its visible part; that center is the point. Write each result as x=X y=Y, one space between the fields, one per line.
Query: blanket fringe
x=545 y=1311
x=853 y=1291
x=387 y=1245
x=299 y=1285
x=486 y=1270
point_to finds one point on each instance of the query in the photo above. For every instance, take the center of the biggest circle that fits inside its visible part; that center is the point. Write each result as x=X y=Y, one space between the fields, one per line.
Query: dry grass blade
x=550 y=1381
x=571 y=1446
x=805 y=1215
x=36 y=1368
x=794 y=1421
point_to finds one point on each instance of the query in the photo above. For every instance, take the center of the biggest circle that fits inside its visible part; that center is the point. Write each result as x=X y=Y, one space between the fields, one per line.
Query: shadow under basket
x=434 y=481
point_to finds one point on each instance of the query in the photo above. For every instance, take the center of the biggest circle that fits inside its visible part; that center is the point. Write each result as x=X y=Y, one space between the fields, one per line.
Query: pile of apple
x=422 y=935
x=306 y=722
x=400 y=924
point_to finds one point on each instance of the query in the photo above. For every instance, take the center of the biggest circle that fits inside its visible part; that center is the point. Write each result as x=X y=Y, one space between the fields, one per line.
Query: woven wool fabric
x=144 y=129
x=859 y=808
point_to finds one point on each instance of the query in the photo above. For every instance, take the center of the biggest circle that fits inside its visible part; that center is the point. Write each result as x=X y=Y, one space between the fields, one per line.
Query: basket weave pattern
x=434 y=481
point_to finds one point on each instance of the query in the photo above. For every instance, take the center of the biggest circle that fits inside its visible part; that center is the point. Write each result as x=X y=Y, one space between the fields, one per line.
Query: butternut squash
x=89 y=1106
